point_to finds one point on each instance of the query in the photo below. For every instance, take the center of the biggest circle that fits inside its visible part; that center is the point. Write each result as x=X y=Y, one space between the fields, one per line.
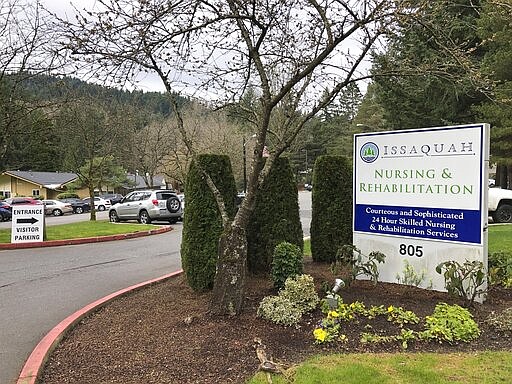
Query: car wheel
x=79 y=210
x=57 y=212
x=101 y=208
x=173 y=204
x=112 y=215
x=503 y=214
x=144 y=218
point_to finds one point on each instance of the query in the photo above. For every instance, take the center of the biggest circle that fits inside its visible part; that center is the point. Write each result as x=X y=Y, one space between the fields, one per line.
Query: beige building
x=45 y=185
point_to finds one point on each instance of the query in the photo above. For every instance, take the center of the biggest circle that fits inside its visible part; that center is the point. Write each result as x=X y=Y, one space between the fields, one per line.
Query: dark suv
x=113 y=197
x=146 y=206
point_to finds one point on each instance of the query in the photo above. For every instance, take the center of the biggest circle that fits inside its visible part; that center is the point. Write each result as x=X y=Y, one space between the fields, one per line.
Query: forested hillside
x=35 y=134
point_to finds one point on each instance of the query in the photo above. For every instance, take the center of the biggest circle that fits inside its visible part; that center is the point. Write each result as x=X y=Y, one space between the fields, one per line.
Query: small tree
x=331 y=220
x=202 y=224
x=275 y=217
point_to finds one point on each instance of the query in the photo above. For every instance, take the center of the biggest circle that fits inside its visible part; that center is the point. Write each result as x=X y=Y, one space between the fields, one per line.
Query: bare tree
x=91 y=132
x=26 y=39
x=290 y=51
x=151 y=147
x=209 y=132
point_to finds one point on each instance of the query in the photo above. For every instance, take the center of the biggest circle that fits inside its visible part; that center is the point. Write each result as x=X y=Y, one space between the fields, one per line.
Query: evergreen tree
x=202 y=222
x=439 y=90
x=495 y=31
x=275 y=217
x=331 y=220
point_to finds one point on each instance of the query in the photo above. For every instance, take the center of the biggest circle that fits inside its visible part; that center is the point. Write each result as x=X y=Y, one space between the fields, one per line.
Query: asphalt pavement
x=42 y=286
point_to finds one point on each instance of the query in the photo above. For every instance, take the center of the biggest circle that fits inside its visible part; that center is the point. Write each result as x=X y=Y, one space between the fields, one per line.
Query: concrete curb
x=37 y=359
x=85 y=240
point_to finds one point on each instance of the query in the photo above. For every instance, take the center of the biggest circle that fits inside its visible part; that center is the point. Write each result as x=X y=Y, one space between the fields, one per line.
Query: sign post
x=27 y=223
x=420 y=197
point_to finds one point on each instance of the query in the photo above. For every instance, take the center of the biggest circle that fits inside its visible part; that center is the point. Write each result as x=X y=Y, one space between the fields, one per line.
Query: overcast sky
x=66 y=10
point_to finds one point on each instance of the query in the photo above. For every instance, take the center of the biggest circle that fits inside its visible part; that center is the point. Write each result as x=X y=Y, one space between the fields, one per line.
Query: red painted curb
x=35 y=362
x=98 y=239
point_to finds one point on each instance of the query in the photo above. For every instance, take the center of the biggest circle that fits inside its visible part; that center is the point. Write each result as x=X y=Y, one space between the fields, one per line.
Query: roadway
x=42 y=286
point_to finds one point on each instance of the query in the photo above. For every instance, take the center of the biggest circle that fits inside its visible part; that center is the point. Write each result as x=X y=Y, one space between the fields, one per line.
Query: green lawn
x=400 y=368
x=84 y=229
x=500 y=238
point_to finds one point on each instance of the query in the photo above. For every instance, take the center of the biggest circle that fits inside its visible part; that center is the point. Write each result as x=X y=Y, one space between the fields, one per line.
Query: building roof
x=158 y=181
x=52 y=180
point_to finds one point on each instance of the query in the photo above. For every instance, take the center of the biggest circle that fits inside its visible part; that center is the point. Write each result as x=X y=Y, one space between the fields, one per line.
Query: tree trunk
x=91 y=198
x=229 y=287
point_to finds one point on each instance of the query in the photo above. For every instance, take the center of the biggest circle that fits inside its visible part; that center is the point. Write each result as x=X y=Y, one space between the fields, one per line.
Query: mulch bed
x=164 y=334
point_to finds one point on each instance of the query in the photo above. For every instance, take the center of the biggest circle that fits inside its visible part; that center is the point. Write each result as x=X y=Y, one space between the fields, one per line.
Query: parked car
x=113 y=197
x=100 y=204
x=5 y=213
x=4 y=205
x=56 y=207
x=78 y=205
x=23 y=201
x=500 y=205
x=146 y=206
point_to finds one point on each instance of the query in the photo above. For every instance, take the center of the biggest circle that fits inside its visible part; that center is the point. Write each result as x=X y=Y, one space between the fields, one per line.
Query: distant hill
x=44 y=87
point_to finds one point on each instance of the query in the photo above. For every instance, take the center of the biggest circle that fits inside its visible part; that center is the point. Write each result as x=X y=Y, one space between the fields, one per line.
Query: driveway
x=41 y=287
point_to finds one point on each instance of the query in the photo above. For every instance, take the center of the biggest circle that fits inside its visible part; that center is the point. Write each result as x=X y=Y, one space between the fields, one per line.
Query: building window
x=35 y=192
x=5 y=194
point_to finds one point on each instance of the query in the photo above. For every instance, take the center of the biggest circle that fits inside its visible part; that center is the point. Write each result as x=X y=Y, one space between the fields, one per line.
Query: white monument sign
x=27 y=223
x=420 y=197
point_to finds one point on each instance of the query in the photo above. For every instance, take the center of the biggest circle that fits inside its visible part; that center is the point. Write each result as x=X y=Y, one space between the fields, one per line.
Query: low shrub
x=359 y=264
x=450 y=323
x=287 y=261
x=301 y=291
x=411 y=277
x=67 y=195
x=464 y=280
x=279 y=310
x=297 y=297
x=500 y=268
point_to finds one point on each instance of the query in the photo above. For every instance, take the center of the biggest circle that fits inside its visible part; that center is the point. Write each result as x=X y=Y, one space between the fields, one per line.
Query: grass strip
x=401 y=368
x=84 y=229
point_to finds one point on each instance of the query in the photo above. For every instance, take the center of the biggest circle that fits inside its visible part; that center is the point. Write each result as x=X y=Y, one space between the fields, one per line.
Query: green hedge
x=202 y=222
x=331 y=221
x=275 y=217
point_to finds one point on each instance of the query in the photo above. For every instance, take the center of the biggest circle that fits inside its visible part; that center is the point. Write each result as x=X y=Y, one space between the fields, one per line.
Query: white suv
x=100 y=204
x=500 y=205
x=146 y=206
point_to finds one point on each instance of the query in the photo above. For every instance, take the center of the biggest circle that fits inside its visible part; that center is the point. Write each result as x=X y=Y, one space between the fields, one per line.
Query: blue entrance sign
x=459 y=225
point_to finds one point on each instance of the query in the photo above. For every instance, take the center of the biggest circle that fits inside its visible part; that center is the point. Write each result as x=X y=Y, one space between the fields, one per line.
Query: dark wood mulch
x=164 y=334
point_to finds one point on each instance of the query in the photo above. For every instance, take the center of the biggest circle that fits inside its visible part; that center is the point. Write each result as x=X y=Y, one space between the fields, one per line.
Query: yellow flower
x=320 y=334
x=391 y=308
x=333 y=314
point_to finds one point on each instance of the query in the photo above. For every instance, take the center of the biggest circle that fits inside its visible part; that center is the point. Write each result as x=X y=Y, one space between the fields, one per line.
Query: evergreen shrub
x=202 y=222
x=275 y=217
x=67 y=195
x=287 y=262
x=331 y=220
